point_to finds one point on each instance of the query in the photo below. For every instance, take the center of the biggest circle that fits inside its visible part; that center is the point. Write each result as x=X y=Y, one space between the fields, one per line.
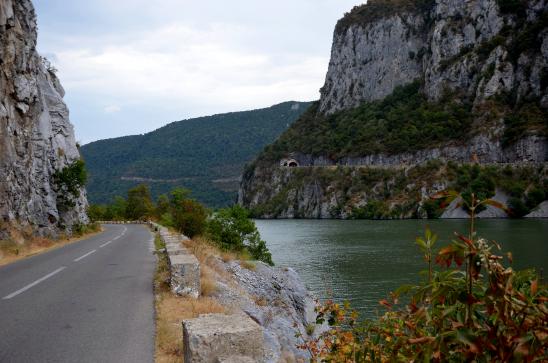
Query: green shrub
x=189 y=217
x=233 y=230
x=69 y=182
x=534 y=197
x=374 y=209
x=97 y=212
x=517 y=207
x=139 y=203
x=433 y=208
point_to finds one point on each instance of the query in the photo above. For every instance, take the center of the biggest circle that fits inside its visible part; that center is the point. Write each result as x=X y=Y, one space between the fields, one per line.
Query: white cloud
x=112 y=109
x=175 y=63
x=157 y=62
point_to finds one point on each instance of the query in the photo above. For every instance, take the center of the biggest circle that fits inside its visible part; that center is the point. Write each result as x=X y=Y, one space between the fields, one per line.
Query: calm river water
x=362 y=261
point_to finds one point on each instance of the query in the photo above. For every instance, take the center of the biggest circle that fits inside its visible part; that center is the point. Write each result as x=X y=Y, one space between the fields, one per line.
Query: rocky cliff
x=410 y=82
x=37 y=143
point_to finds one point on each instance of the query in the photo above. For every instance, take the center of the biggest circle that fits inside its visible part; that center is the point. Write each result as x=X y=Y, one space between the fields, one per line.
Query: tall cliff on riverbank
x=411 y=87
x=39 y=159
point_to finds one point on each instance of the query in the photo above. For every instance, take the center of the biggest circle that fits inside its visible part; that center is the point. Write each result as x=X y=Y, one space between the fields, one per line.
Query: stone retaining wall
x=184 y=266
x=210 y=338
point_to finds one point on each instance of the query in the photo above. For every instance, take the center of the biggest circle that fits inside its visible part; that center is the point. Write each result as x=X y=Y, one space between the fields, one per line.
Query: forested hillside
x=205 y=154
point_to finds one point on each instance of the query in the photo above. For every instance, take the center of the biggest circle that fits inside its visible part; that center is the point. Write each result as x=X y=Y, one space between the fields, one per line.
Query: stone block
x=185 y=275
x=173 y=249
x=214 y=338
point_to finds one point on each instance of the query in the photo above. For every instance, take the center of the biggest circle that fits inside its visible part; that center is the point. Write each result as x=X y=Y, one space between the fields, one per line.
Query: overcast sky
x=131 y=66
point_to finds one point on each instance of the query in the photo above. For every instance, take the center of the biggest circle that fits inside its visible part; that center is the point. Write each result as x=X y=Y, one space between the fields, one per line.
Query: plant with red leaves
x=471 y=308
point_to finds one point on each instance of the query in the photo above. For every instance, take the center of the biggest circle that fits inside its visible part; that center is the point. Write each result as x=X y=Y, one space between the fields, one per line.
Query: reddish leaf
x=534 y=287
x=468 y=241
x=421 y=340
x=385 y=303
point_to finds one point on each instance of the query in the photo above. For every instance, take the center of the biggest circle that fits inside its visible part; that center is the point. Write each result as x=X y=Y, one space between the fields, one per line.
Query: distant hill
x=205 y=154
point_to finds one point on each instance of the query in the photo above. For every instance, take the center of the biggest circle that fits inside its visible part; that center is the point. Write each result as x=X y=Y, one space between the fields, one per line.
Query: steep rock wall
x=468 y=46
x=36 y=136
x=489 y=54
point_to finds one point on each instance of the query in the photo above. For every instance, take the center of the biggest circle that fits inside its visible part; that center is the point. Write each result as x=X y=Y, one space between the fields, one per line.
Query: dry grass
x=248 y=265
x=208 y=282
x=171 y=310
x=23 y=244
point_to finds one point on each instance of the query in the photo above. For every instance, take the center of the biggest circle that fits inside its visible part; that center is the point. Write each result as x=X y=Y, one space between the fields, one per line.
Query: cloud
x=176 y=63
x=112 y=109
x=160 y=61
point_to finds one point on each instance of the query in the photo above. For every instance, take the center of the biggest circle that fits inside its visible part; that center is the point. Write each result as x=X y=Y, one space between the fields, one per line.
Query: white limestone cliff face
x=36 y=136
x=460 y=45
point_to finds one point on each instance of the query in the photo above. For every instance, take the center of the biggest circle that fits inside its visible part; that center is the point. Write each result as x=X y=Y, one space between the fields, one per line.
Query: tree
x=233 y=230
x=117 y=210
x=139 y=202
x=189 y=216
x=97 y=212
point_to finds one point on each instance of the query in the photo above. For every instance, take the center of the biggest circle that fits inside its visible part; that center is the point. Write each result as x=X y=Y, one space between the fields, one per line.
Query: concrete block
x=176 y=250
x=214 y=338
x=185 y=275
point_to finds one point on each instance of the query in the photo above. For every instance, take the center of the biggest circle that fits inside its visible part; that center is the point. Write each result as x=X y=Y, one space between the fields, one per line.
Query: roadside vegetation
x=469 y=307
x=21 y=242
x=230 y=229
x=171 y=310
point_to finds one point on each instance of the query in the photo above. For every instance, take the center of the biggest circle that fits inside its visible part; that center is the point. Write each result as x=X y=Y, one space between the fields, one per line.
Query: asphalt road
x=90 y=301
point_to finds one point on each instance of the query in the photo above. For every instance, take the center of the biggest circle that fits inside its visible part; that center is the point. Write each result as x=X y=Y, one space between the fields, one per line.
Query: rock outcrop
x=489 y=57
x=36 y=137
x=466 y=46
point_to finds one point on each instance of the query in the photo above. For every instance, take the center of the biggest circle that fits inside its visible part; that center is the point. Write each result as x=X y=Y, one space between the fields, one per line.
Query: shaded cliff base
x=396 y=192
x=18 y=242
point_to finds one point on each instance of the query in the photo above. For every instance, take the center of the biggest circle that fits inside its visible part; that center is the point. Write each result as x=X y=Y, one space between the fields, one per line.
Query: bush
x=517 y=207
x=189 y=217
x=97 y=212
x=454 y=315
x=139 y=203
x=68 y=182
x=433 y=208
x=535 y=197
x=233 y=230
x=374 y=209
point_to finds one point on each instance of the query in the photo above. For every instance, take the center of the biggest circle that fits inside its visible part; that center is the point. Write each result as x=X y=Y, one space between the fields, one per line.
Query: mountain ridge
x=205 y=154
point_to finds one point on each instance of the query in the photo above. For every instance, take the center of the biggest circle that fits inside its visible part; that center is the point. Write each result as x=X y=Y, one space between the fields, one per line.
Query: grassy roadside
x=23 y=244
x=171 y=310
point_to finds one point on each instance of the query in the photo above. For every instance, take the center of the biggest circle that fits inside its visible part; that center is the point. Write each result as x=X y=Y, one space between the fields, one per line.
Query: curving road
x=90 y=301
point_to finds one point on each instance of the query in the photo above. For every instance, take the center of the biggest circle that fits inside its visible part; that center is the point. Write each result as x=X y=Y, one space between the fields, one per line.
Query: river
x=362 y=261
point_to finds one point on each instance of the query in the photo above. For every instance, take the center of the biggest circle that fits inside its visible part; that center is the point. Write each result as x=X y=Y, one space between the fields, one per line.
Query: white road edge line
x=12 y=295
x=84 y=256
x=105 y=244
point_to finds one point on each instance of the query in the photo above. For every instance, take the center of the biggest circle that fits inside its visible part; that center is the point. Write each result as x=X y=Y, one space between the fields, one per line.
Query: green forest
x=205 y=154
